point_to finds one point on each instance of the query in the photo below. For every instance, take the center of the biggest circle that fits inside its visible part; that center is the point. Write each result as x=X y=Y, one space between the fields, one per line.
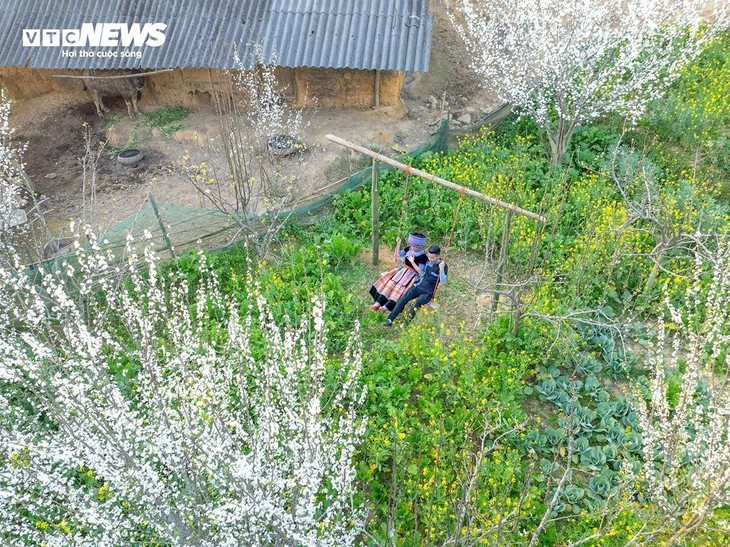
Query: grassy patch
x=112 y=121
x=166 y=119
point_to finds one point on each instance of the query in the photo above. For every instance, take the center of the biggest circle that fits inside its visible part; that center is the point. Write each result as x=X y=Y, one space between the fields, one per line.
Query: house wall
x=184 y=87
x=324 y=88
x=332 y=88
x=25 y=83
x=187 y=87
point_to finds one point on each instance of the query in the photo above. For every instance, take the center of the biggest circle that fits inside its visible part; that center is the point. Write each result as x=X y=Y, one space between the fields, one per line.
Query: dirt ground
x=53 y=127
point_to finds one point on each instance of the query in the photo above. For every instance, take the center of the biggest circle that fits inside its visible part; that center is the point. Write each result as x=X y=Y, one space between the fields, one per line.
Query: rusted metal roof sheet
x=361 y=34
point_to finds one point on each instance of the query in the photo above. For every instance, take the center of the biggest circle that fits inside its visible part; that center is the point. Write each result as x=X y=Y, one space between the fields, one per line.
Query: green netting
x=172 y=225
x=175 y=229
x=437 y=143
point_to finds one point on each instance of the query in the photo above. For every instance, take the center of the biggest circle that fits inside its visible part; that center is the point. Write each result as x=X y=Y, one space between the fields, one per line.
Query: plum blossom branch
x=155 y=409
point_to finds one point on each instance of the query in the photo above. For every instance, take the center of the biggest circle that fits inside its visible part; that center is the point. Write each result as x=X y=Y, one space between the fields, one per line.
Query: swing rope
x=403 y=205
x=448 y=240
x=453 y=224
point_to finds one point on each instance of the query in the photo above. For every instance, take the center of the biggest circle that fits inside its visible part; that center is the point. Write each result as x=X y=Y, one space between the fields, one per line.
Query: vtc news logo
x=98 y=35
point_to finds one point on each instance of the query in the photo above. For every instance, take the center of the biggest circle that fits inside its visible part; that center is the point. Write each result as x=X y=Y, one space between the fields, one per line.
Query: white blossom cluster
x=687 y=445
x=10 y=172
x=271 y=114
x=565 y=62
x=147 y=410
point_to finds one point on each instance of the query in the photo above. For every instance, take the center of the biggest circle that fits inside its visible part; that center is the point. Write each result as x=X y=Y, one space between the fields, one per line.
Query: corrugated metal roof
x=373 y=34
x=362 y=34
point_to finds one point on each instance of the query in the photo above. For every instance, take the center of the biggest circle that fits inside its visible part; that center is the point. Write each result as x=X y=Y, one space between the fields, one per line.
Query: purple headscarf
x=416 y=239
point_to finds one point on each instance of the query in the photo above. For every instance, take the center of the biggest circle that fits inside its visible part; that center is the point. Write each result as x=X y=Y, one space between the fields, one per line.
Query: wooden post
x=375 y=198
x=162 y=227
x=502 y=258
x=377 y=88
x=293 y=76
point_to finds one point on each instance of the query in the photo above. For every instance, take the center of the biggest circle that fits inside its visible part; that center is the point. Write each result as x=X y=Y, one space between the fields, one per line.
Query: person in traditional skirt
x=434 y=274
x=390 y=287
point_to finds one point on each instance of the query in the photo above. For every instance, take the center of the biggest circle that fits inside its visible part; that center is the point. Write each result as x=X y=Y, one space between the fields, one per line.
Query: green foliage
x=166 y=119
x=315 y=267
x=600 y=427
x=113 y=120
x=674 y=388
x=514 y=174
x=601 y=255
x=591 y=143
x=694 y=118
x=431 y=387
x=429 y=395
x=514 y=126
x=232 y=265
x=697 y=106
x=597 y=257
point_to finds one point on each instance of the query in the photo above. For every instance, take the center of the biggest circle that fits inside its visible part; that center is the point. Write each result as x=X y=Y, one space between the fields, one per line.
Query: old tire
x=130 y=157
x=284 y=145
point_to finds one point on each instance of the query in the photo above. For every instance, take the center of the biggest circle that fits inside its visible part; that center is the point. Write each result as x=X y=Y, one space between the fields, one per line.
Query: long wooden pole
x=375 y=223
x=433 y=178
x=119 y=77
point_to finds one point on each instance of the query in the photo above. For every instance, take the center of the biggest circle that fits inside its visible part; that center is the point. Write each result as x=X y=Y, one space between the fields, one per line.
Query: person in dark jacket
x=434 y=274
x=387 y=290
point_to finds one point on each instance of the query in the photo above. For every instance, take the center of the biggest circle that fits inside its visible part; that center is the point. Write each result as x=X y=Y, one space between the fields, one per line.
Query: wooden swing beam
x=433 y=178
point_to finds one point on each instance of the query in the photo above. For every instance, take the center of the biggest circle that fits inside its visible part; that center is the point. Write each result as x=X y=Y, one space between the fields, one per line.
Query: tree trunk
x=559 y=140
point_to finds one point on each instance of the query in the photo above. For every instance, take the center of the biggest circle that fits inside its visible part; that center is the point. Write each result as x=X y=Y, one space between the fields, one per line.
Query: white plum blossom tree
x=22 y=222
x=153 y=410
x=687 y=439
x=269 y=113
x=10 y=174
x=566 y=62
x=262 y=140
